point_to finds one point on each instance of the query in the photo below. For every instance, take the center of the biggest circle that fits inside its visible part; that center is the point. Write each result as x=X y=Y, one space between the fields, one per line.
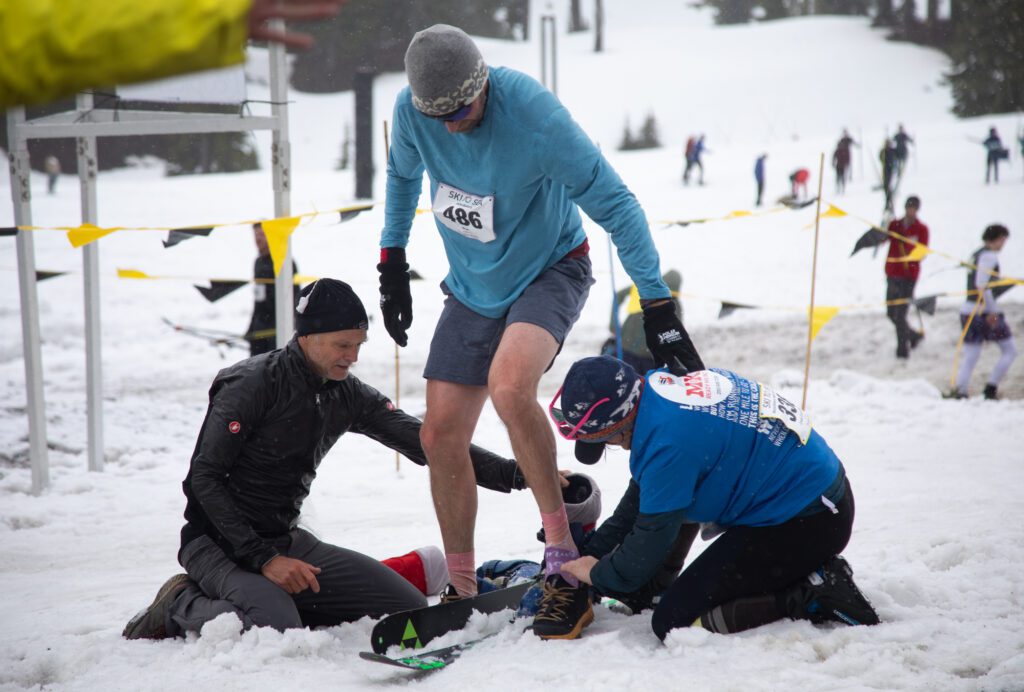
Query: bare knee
x=511 y=398
x=441 y=441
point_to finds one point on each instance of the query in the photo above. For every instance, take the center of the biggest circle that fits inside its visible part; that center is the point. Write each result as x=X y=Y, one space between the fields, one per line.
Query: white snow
x=937 y=543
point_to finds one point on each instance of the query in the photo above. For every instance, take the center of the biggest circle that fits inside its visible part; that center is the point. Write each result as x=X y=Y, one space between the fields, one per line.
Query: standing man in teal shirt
x=507 y=167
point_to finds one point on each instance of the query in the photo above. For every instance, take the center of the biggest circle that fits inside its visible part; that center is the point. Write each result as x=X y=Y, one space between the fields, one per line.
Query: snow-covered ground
x=938 y=540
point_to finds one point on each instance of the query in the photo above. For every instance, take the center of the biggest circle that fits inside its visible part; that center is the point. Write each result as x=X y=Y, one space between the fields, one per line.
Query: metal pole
x=87 y=167
x=281 y=157
x=554 y=58
x=544 y=51
x=398 y=381
x=21 y=195
x=814 y=278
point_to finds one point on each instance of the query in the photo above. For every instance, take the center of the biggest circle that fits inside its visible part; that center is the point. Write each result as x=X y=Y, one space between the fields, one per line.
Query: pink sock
x=462 y=572
x=556 y=528
x=559 y=547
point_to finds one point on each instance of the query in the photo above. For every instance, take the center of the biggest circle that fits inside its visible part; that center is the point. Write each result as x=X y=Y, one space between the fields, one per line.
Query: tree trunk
x=885 y=15
x=576 y=22
x=598 y=26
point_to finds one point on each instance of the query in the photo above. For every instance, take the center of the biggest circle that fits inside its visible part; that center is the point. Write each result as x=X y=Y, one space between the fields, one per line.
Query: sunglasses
x=456 y=115
x=565 y=428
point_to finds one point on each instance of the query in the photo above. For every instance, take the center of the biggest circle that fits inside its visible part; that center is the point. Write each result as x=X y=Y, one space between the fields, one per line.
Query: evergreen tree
x=988 y=58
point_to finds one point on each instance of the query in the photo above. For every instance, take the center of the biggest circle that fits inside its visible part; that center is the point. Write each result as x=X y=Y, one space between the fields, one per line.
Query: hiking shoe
x=564 y=610
x=450 y=595
x=954 y=394
x=990 y=392
x=828 y=594
x=151 y=622
x=916 y=338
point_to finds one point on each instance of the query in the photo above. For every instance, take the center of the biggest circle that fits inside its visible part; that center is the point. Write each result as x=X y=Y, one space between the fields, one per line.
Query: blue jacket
x=759 y=169
x=538 y=164
x=704 y=451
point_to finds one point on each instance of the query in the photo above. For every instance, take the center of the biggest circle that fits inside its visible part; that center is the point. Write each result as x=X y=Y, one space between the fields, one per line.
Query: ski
x=412 y=629
x=426 y=661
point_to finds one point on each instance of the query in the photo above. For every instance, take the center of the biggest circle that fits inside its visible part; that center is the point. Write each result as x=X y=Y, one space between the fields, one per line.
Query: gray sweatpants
x=352 y=585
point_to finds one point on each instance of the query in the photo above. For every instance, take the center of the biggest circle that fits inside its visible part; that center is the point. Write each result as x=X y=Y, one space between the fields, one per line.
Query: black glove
x=668 y=341
x=395 y=298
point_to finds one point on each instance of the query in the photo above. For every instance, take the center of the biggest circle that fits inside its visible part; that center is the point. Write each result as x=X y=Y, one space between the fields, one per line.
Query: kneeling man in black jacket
x=271 y=420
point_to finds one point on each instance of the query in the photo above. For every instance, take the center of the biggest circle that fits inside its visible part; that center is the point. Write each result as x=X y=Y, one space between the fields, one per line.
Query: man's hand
x=288 y=10
x=395 y=297
x=667 y=339
x=294 y=576
x=580 y=568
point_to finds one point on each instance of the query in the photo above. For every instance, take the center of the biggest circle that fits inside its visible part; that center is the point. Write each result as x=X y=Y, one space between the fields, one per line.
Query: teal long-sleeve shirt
x=537 y=164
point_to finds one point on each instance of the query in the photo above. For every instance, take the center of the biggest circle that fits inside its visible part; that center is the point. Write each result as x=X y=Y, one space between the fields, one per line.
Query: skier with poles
x=981 y=317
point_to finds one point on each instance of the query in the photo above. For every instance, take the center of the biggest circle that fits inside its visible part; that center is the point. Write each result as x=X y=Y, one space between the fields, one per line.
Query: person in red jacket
x=901 y=274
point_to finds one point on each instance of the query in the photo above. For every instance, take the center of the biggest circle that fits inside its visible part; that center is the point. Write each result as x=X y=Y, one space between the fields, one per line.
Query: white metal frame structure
x=84 y=125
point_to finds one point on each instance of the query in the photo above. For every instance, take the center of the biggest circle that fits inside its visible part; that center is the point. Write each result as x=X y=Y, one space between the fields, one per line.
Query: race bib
x=774 y=405
x=468 y=215
x=701 y=388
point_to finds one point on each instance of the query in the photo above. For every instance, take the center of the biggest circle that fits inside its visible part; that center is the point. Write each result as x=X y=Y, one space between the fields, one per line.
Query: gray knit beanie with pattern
x=445 y=70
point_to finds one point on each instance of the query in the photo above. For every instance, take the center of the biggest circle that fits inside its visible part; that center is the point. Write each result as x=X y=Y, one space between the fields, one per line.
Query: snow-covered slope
x=937 y=544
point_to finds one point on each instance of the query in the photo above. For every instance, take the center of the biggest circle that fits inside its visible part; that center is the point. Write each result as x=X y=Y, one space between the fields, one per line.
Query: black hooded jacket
x=270 y=422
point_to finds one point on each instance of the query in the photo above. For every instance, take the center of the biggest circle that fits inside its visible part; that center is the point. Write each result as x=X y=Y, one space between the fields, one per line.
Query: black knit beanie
x=328 y=305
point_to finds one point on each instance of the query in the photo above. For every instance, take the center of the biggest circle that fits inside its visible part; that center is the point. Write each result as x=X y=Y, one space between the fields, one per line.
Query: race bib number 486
x=469 y=215
x=774 y=405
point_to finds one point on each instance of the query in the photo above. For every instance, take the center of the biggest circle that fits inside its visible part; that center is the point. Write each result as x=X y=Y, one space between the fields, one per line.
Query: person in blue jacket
x=508 y=168
x=759 y=176
x=713 y=448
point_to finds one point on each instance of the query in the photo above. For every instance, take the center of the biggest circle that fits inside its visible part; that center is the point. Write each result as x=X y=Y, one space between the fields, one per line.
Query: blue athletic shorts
x=464 y=341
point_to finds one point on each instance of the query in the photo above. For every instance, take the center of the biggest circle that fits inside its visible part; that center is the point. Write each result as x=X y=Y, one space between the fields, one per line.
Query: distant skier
x=798 y=183
x=902 y=140
x=986 y=319
x=261 y=333
x=693 y=154
x=841 y=158
x=901 y=275
x=996 y=152
x=887 y=157
x=759 y=177
x=52 y=168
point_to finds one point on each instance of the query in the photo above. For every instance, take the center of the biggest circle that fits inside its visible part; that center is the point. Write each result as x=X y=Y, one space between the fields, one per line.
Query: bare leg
x=452 y=414
x=523 y=354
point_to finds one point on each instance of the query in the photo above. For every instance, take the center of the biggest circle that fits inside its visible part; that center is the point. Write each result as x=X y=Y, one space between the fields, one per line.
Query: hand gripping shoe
x=828 y=594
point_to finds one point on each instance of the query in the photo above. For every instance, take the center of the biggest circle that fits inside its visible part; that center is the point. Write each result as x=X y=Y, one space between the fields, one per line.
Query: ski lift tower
x=85 y=124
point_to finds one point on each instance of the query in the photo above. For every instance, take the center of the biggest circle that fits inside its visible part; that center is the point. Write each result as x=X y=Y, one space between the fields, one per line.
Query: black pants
x=992 y=165
x=760 y=191
x=754 y=561
x=352 y=585
x=899 y=289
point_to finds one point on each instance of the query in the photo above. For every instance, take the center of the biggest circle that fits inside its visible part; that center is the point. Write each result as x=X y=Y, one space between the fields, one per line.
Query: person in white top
x=982 y=317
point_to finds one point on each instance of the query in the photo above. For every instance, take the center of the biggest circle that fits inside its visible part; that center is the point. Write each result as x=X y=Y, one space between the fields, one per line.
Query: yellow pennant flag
x=916 y=255
x=87 y=233
x=278 y=231
x=821 y=316
x=633 y=306
x=133 y=274
x=833 y=212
